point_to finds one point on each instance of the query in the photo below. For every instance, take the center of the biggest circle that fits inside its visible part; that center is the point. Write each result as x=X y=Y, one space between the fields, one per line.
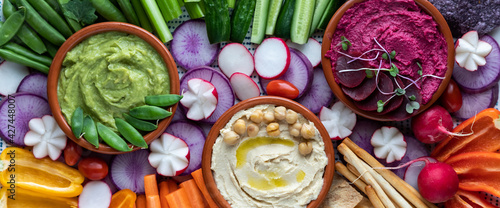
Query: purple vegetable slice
x=473 y=103
x=16 y=111
x=35 y=83
x=348 y=79
x=485 y=76
x=414 y=150
x=190 y=46
x=385 y=84
x=194 y=137
x=128 y=170
x=224 y=90
x=362 y=91
x=319 y=95
x=362 y=133
x=299 y=73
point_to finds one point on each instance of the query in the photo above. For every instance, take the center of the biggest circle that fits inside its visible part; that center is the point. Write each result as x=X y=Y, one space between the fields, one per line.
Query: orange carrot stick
x=194 y=194
x=166 y=187
x=140 y=202
x=198 y=178
x=178 y=199
x=151 y=189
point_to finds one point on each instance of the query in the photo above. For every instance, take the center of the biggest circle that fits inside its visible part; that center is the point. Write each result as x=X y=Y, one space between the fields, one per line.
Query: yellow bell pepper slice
x=20 y=169
x=23 y=198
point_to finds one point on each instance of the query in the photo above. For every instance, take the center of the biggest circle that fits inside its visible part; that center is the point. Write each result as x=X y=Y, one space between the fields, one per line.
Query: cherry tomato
x=93 y=168
x=451 y=99
x=72 y=153
x=282 y=88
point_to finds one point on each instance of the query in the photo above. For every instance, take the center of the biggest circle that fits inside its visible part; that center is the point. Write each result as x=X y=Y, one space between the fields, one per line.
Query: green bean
x=108 y=10
x=46 y=11
x=77 y=122
x=129 y=12
x=40 y=25
x=162 y=100
x=141 y=14
x=51 y=49
x=14 y=57
x=112 y=139
x=130 y=133
x=147 y=112
x=139 y=124
x=55 y=6
x=90 y=131
x=16 y=48
x=11 y=25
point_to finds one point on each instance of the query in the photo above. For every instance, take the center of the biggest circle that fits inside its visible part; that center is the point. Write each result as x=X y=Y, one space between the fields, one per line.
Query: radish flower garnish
x=470 y=52
x=46 y=137
x=338 y=121
x=389 y=144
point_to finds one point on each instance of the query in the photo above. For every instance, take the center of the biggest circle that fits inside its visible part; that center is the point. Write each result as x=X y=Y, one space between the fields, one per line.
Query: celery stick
x=156 y=18
x=195 y=9
x=259 y=21
x=274 y=11
x=141 y=15
x=321 y=6
x=302 y=19
x=170 y=9
x=180 y=2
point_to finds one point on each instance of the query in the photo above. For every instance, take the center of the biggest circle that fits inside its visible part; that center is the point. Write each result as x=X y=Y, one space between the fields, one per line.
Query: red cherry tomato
x=93 y=168
x=282 y=88
x=72 y=153
x=451 y=99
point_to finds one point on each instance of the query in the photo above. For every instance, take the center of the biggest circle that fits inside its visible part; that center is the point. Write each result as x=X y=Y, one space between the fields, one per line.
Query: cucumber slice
x=274 y=11
x=321 y=6
x=302 y=19
x=259 y=21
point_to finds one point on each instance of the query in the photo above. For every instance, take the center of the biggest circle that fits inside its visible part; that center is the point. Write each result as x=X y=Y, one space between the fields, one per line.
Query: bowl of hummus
x=268 y=152
x=107 y=69
x=387 y=59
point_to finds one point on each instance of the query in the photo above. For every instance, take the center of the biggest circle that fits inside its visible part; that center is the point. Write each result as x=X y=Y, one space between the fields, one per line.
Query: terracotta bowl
x=327 y=67
x=246 y=104
x=81 y=35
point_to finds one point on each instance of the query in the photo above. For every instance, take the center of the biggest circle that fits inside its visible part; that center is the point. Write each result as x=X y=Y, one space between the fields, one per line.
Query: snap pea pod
x=130 y=133
x=129 y=12
x=77 y=122
x=11 y=25
x=16 y=48
x=14 y=57
x=108 y=10
x=46 y=11
x=55 y=6
x=148 y=112
x=112 y=139
x=90 y=131
x=139 y=124
x=51 y=48
x=162 y=100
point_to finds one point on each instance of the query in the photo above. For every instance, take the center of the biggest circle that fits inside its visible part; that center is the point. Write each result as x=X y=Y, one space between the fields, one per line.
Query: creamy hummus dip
x=108 y=74
x=400 y=26
x=267 y=167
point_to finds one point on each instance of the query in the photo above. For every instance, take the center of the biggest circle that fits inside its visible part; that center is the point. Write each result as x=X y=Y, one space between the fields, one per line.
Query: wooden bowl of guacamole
x=107 y=69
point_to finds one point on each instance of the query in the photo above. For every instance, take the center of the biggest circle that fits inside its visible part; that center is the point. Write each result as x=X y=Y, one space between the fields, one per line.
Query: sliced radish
x=190 y=46
x=200 y=99
x=412 y=172
x=35 y=83
x=312 y=50
x=169 y=155
x=319 y=94
x=194 y=137
x=389 y=144
x=473 y=103
x=11 y=76
x=272 y=58
x=235 y=57
x=338 y=121
x=46 y=137
x=95 y=194
x=244 y=87
x=362 y=133
x=128 y=170
x=470 y=51
x=414 y=150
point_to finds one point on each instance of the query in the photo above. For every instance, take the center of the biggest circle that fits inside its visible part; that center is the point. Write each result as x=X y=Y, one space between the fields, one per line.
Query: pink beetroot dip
x=398 y=25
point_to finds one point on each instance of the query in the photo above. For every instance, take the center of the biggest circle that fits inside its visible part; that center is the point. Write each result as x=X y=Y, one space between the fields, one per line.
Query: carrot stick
x=141 y=201
x=178 y=199
x=198 y=178
x=194 y=194
x=151 y=189
x=166 y=187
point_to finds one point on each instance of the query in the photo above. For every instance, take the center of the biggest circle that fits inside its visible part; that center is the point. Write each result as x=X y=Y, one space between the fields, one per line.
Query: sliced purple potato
x=362 y=91
x=35 y=83
x=348 y=79
x=320 y=93
x=385 y=84
x=473 y=103
x=194 y=137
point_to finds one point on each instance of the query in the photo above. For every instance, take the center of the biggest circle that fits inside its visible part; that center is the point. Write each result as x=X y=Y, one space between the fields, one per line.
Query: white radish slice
x=471 y=52
x=272 y=58
x=200 y=99
x=244 y=87
x=95 y=194
x=412 y=172
x=311 y=49
x=235 y=57
x=169 y=155
x=11 y=76
x=339 y=120
x=389 y=144
x=194 y=137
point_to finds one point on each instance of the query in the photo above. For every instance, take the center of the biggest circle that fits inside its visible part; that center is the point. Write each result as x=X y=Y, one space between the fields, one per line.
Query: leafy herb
x=419 y=72
x=384 y=56
x=81 y=11
x=391 y=55
x=345 y=43
x=412 y=97
x=380 y=106
x=394 y=71
x=411 y=106
x=369 y=73
x=420 y=67
x=400 y=91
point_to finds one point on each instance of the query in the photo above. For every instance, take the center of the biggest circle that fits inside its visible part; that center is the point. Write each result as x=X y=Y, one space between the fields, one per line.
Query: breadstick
x=352 y=169
x=373 y=197
x=342 y=169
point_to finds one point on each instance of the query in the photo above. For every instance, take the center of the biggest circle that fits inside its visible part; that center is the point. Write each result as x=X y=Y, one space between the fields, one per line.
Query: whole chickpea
x=273 y=129
x=305 y=148
x=291 y=116
x=252 y=130
x=295 y=129
x=279 y=112
x=240 y=126
x=231 y=137
x=268 y=117
x=307 y=131
x=257 y=116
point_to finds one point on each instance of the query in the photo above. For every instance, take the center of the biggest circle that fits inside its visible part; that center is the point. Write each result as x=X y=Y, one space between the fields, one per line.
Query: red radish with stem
x=272 y=58
x=244 y=87
x=432 y=125
x=235 y=57
x=412 y=172
x=200 y=99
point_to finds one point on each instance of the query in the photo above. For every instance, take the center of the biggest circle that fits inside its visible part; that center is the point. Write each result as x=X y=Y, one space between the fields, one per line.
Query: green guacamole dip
x=108 y=74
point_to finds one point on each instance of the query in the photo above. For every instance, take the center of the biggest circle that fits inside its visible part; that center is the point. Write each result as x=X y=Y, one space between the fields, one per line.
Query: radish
x=470 y=52
x=244 y=87
x=432 y=125
x=128 y=170
x=95 y=194
x=389 y=144
x=437 y=182
x=35 y=83
x=235 y=57
x=339 y=120
x=200 y=99
x=194 y=137
x=311 y=49
x=414 y=149
x=473 y=103
x=46 y=137
x=12 y=75
x=272 y=58
x=169 y=155
x=412 y=172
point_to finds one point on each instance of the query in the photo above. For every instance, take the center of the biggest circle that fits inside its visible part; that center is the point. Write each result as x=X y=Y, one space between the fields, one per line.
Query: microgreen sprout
x=394 y=71
x=412 y=97
x=345 y=43
x=400 y=91
x=391 y=55
x=411 y=106
x=380 y=106
x=369 y=73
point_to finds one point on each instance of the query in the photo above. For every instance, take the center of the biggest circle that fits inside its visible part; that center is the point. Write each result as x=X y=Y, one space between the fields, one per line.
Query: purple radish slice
x=16 y=111
x=35 y=83
x=110 y=183
x=235 y=57
x=485 y=76
x=351 y=78
x=221 y=83
x=272 y=58
x=194 y=137
x=414 y=150
x=11 y=76
x=362 y=91
x=244 y=87
x=362 y=133
x=95 y=194
x=413 y=170
x=389 y=144
x=385 y=84
x=319 y=94
x=339 y=120
x=473 y=103
x=299 y=73
x=169 y=155
x=200 y=99
x=312 y=50
x=190 y=46
x=128 y=170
